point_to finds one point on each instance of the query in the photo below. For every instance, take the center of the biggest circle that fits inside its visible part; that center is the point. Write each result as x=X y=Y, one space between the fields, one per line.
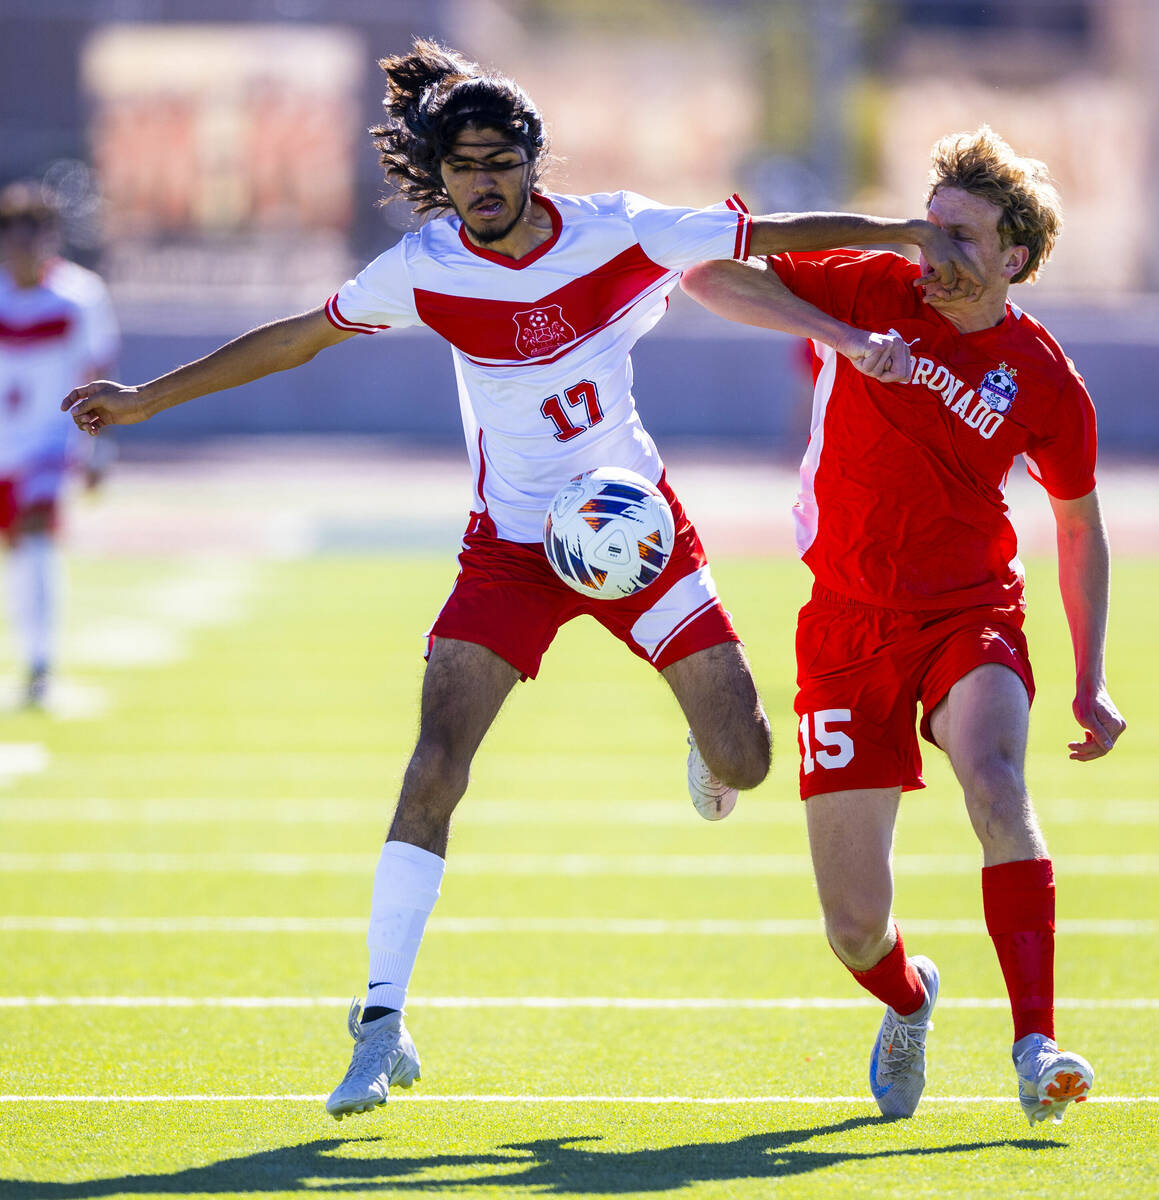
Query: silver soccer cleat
x=1049 y=1078
x=384 y=1056
x=897 y=1066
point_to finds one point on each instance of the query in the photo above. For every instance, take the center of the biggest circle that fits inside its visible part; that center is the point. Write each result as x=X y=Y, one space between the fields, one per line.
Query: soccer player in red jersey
x=923 y=398
x=541 y=297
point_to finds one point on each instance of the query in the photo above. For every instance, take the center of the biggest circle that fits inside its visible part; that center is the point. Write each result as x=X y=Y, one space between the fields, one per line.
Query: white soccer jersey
x=53 y=337
x=541 y=344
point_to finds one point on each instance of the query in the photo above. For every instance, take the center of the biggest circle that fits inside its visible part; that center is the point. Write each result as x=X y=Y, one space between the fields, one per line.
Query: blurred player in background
x=57 y=329
x=922 y=401
x=542 y=298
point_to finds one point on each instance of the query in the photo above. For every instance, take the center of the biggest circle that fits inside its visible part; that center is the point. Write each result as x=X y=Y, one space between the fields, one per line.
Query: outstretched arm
x=753 y=294
x=277 y=346
x=1084 y=580
x=948 y=267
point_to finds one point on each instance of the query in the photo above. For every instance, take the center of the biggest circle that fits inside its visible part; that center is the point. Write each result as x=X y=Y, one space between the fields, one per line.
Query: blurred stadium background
x=213 y=160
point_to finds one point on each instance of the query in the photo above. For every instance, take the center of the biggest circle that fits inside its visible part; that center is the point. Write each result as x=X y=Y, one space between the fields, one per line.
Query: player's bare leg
x=33 y=586
x=731 y=744
x=463 y=689
x=851 y=840
x=982 y=725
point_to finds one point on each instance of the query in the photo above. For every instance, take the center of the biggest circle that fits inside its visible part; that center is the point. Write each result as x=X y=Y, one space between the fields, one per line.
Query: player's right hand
x=102 y=403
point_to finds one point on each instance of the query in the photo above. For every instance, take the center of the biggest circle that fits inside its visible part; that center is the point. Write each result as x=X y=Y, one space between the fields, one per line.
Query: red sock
x=1018 y=899
x=894 y=980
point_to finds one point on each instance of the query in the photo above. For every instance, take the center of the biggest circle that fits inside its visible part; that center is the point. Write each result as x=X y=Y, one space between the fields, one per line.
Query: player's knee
x=749 y=756
x=859 y=937
x=995 y=787
x=759 y=752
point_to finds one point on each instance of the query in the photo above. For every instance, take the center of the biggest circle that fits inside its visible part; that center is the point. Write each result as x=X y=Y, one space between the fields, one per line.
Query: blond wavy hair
x=984 y=164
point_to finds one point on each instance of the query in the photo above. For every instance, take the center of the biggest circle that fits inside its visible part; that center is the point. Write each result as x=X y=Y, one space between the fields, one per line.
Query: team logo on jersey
x=998 y=388
x=540 y=331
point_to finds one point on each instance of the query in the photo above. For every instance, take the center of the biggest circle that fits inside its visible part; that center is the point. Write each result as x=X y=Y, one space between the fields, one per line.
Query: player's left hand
x=1098 y=716
x=950 y=275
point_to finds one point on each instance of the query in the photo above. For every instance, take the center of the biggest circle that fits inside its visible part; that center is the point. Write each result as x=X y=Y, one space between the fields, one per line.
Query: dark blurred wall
x=696 y=376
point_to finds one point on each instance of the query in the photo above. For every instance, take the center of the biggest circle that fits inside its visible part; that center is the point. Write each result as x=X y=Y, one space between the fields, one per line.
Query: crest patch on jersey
x=998 y=388
x=540 y=331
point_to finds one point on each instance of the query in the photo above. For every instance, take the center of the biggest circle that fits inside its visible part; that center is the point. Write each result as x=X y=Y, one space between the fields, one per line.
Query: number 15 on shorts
x=823 y=743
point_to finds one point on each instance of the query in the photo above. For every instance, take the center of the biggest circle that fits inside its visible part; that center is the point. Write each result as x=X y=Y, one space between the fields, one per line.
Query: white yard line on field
x=149 y=625
x=632 y=1003
x=326 y=810
x=549 y=865
x=495 y=1098
x=330 y=810
x=596 y=926
x=21 y=758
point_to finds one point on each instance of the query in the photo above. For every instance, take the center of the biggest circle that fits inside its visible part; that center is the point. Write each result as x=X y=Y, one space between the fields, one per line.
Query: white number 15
x=834 y=748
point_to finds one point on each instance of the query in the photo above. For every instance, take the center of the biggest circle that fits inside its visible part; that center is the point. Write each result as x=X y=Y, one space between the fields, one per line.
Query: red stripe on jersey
x=744 y=226
x=41 y=331
x=539 y=330
x=335 y=317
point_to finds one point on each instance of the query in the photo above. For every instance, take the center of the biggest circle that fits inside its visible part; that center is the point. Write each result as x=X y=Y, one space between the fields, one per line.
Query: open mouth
x=489 y=206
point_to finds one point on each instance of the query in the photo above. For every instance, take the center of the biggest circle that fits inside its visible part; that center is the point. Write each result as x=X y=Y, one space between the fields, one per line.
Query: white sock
x=406 y=886
x=33 y=587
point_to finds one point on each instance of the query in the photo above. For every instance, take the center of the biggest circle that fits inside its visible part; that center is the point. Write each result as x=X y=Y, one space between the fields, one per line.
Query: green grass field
x=614 y=997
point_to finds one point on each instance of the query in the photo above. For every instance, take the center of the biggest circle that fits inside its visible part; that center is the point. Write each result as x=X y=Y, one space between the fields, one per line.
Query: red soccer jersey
x=901 y=500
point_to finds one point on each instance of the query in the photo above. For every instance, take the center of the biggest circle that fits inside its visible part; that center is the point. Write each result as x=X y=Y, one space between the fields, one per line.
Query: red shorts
x=508 y=598
x=13 y=506
x=861 y=672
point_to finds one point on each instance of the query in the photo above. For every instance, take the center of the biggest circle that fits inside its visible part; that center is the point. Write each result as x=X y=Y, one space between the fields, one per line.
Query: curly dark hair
x=431 y=94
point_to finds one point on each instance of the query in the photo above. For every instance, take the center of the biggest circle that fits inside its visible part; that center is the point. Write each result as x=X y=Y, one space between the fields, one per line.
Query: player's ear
x=1015 y=260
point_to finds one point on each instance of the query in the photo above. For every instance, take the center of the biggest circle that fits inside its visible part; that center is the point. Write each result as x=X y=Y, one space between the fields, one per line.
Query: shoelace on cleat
x=901 y=1044
x=368 y=1057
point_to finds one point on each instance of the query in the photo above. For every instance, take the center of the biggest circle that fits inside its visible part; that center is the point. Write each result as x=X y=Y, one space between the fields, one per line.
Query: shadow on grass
x=548 y=1166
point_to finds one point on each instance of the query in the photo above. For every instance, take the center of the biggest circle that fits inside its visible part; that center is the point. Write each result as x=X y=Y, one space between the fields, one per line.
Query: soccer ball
x=608 y=533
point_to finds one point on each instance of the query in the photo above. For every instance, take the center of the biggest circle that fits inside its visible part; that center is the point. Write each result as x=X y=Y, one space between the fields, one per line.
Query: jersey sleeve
x=679 y=237
x=100 y=330
x=858 y=286
x=379 y=297
x=1062 y=458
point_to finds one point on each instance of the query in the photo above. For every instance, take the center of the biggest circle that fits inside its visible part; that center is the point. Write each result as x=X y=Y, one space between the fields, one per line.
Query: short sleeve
x=679 y=237
x=379 y=297
x=1063 y=459
x=858 y=286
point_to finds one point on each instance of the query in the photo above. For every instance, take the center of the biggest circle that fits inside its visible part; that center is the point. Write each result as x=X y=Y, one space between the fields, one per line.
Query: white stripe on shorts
x=680 y=605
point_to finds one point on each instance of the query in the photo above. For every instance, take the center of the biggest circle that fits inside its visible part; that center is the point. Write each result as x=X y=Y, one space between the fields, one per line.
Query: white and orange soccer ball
x=608 y=533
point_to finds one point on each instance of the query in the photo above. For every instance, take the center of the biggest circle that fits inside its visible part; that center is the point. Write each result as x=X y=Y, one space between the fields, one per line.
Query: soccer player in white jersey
x=541 y=298
x=57 y=328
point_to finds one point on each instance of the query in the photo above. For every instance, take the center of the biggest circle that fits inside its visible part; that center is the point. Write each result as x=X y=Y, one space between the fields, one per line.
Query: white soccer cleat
x=1049 y=1078
x=384 y=1056
x=713 y=800
x=897 y=1066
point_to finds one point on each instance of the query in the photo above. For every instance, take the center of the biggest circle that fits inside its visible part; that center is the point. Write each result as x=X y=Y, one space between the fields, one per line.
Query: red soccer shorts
x=508 y=598
x=14 y=504
x=861 y=672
